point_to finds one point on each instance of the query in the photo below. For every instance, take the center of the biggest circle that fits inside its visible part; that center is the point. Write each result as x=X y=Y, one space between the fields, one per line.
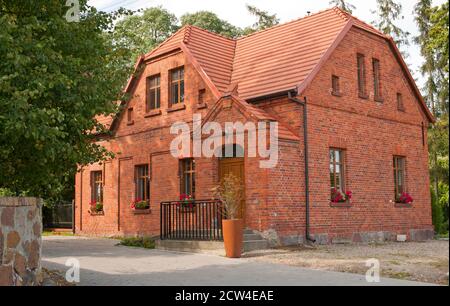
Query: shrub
x=138 y=242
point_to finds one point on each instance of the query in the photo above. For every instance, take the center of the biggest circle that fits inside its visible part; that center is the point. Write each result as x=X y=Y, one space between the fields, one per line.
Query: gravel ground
x=425 y=262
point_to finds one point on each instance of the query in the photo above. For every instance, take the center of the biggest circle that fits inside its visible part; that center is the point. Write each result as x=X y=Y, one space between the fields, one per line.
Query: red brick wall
x=370 y=132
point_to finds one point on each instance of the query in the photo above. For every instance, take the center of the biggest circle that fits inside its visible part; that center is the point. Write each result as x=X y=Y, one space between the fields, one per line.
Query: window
x=97 y=186
x=400 y=105
x=399 y=176
x=177 y=86
x=130 y=116
x=153 y=92
x=337 y=170
x=201 y=96
x=362 y=76
x=187 y=177
x=142 y=183
x=376 y=80
x=335 y=85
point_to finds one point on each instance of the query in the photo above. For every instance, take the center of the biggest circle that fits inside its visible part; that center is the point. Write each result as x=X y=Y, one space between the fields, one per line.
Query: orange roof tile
x=281 y=58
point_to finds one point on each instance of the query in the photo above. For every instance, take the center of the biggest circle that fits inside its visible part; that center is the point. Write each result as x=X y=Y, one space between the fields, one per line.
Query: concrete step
x=250 y=237
x=213 y=247
x=254 y=245
x=248 y=232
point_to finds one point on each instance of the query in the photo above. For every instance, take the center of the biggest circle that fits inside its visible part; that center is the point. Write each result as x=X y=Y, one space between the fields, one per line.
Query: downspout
x=305 y=142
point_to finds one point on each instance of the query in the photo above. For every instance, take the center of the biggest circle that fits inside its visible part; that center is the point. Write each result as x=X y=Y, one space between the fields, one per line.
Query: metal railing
x=192 y=220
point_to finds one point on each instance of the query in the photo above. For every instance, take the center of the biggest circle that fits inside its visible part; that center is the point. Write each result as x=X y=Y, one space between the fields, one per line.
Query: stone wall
x=20 y=241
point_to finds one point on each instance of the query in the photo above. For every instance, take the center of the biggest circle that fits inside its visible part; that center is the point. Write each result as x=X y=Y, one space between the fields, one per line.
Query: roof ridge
x=164 y=42
x=187 y=34
x=341 y=13
x=285 y=23
x=350 y=16
x=210 y=32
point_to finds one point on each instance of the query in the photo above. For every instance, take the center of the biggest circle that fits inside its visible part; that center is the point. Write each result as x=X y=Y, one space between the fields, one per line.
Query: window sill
x=336 y=94
x=153 y=113
x=379 y=99
x=142 y=211
x=341 y=205
x=176 y=107
x=100 y=213
x=202 y=106
x=130 y=122
x=402 y=205
x=363 y=96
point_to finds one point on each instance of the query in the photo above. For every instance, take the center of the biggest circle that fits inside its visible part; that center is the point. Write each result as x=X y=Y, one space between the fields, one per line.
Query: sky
x=234 y=11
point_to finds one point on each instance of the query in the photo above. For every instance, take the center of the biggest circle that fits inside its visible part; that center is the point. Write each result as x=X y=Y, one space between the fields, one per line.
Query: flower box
x=146 y=211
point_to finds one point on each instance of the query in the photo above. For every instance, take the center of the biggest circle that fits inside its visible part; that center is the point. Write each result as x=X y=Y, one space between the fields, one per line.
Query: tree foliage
x=141 y=32
x=211 y=22
x=343 y=5
x=55 y=77
x=433 y=23
x=389 y=12
x=264 y=20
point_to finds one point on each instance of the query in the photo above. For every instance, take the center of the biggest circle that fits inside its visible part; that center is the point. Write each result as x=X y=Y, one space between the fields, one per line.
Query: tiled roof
x=270 y=61
x=281 y=58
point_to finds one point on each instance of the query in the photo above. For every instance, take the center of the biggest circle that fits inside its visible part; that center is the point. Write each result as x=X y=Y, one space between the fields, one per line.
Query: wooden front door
x=234 y=166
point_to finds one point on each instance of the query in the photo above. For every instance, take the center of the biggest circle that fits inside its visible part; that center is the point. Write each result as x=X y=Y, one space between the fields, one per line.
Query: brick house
x=366 y=129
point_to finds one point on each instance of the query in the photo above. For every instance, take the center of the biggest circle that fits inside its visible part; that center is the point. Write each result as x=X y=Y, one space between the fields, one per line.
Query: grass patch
x=138 y=242
x=398 y=274
x=442 y=236
x=50 y=233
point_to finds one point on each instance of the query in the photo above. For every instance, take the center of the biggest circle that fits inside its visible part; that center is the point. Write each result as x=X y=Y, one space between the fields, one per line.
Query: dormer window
x=153 y=92
x=177 y=86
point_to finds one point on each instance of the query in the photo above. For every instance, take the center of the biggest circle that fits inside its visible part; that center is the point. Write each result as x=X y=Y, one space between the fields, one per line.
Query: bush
x=139 y=242
x=438 y=214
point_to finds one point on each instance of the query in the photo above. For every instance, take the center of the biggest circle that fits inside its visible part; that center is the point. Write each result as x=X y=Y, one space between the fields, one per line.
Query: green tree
x=55 y=77
x=211 y=22
x=265 y=20
x=389 y=12
x=140 y=33
x=438 y=45
x=343 y=5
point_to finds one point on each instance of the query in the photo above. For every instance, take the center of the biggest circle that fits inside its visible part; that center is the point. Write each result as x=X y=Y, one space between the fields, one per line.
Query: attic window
x=335 y=86
x=130 y=116
x=400 y=105
x=201 y=96
x=376 y=80
x=361 y=62
x=153 y=92
x=177 y=86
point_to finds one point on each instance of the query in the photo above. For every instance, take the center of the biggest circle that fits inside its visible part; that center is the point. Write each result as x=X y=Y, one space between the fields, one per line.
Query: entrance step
x=255 y=245
x=210 y=247
x=253 y=241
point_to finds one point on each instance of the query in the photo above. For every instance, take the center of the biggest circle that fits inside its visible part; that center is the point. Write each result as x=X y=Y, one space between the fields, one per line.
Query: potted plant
x=338 y=196
x=140 y=204
x=187 y=203
x=96 y=208
x=231 y=193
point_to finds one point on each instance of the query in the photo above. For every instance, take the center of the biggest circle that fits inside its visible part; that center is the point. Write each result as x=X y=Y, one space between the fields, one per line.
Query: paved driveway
x=104 y=263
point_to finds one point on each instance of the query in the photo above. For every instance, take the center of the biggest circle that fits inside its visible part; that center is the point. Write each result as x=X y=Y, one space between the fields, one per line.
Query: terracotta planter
x=233 y=231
